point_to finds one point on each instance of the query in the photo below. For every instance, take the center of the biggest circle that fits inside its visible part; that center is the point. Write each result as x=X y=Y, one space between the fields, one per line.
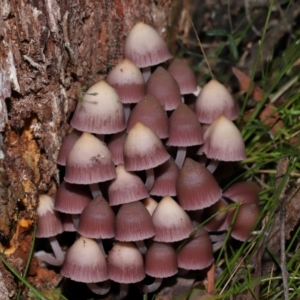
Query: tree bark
x=49 y=50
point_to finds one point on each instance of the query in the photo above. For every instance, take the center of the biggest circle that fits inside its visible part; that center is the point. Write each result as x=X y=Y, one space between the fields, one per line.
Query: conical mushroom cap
x=66 y=146
x=49 y=223
x=85 y=262
x=165 y=179
x=72 y=198
x=145 y=47
x=143 y=149
x=125 y=263
x=161 y=260
x=196 y=186
x=247 y=192
x=164 y=88
x=97 y=220
x=183 y=75
x=89 y=161
x=128 y=81
x=197 y=253
x=126 y=187
x=185 y=129
x=101 y=111
x=170 y=221
x=151 y=113
x=133 y=223
x=244 y=222
x=223 y=141
x=214 y=100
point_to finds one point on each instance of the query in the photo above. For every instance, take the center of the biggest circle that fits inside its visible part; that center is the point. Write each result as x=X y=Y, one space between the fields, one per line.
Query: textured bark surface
x=48 y=50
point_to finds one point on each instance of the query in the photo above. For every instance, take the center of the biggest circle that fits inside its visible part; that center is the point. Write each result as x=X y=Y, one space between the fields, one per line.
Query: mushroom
x=125 y=266
x=160 y=262
x=170 y=221
x=85 y=262
x=129 y=83
x=126 y=187
x=246 y=191
x=143 y=150
x=243 y=221
x=89 y=162
x=134 y=224
x=101 y=111
x=164 y=88
x=214 y=100
x=223 y=141
x=185 y=131
x=145 y=48
x=150 y=113
x=66 y=146
x=165 y=179
x=196 y=186
x=97 y=220
x=183 y=75
x=197 y=252
x=49 y=226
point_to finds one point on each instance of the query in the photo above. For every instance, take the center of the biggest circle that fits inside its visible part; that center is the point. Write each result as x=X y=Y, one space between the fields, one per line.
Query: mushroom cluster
x=139 y=167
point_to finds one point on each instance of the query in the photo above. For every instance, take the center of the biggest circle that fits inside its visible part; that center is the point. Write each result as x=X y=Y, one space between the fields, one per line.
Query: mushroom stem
x=211 y=280
x=141 y=246
x=217 y=246
x=99 y=242
x=153 y=286
x=180 y=156
x=182 y=98
x=218 y=241
x=95 y=190
x=75 y=218
x=55 y=260
x=100 y=290
x=126 y=111
x=146 y=73
x=123 y=291
x=212 y=166
x=217 y=237
x=150 y=179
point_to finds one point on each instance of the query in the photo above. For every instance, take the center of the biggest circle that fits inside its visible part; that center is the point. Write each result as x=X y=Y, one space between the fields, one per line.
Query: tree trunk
x=49 y=50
